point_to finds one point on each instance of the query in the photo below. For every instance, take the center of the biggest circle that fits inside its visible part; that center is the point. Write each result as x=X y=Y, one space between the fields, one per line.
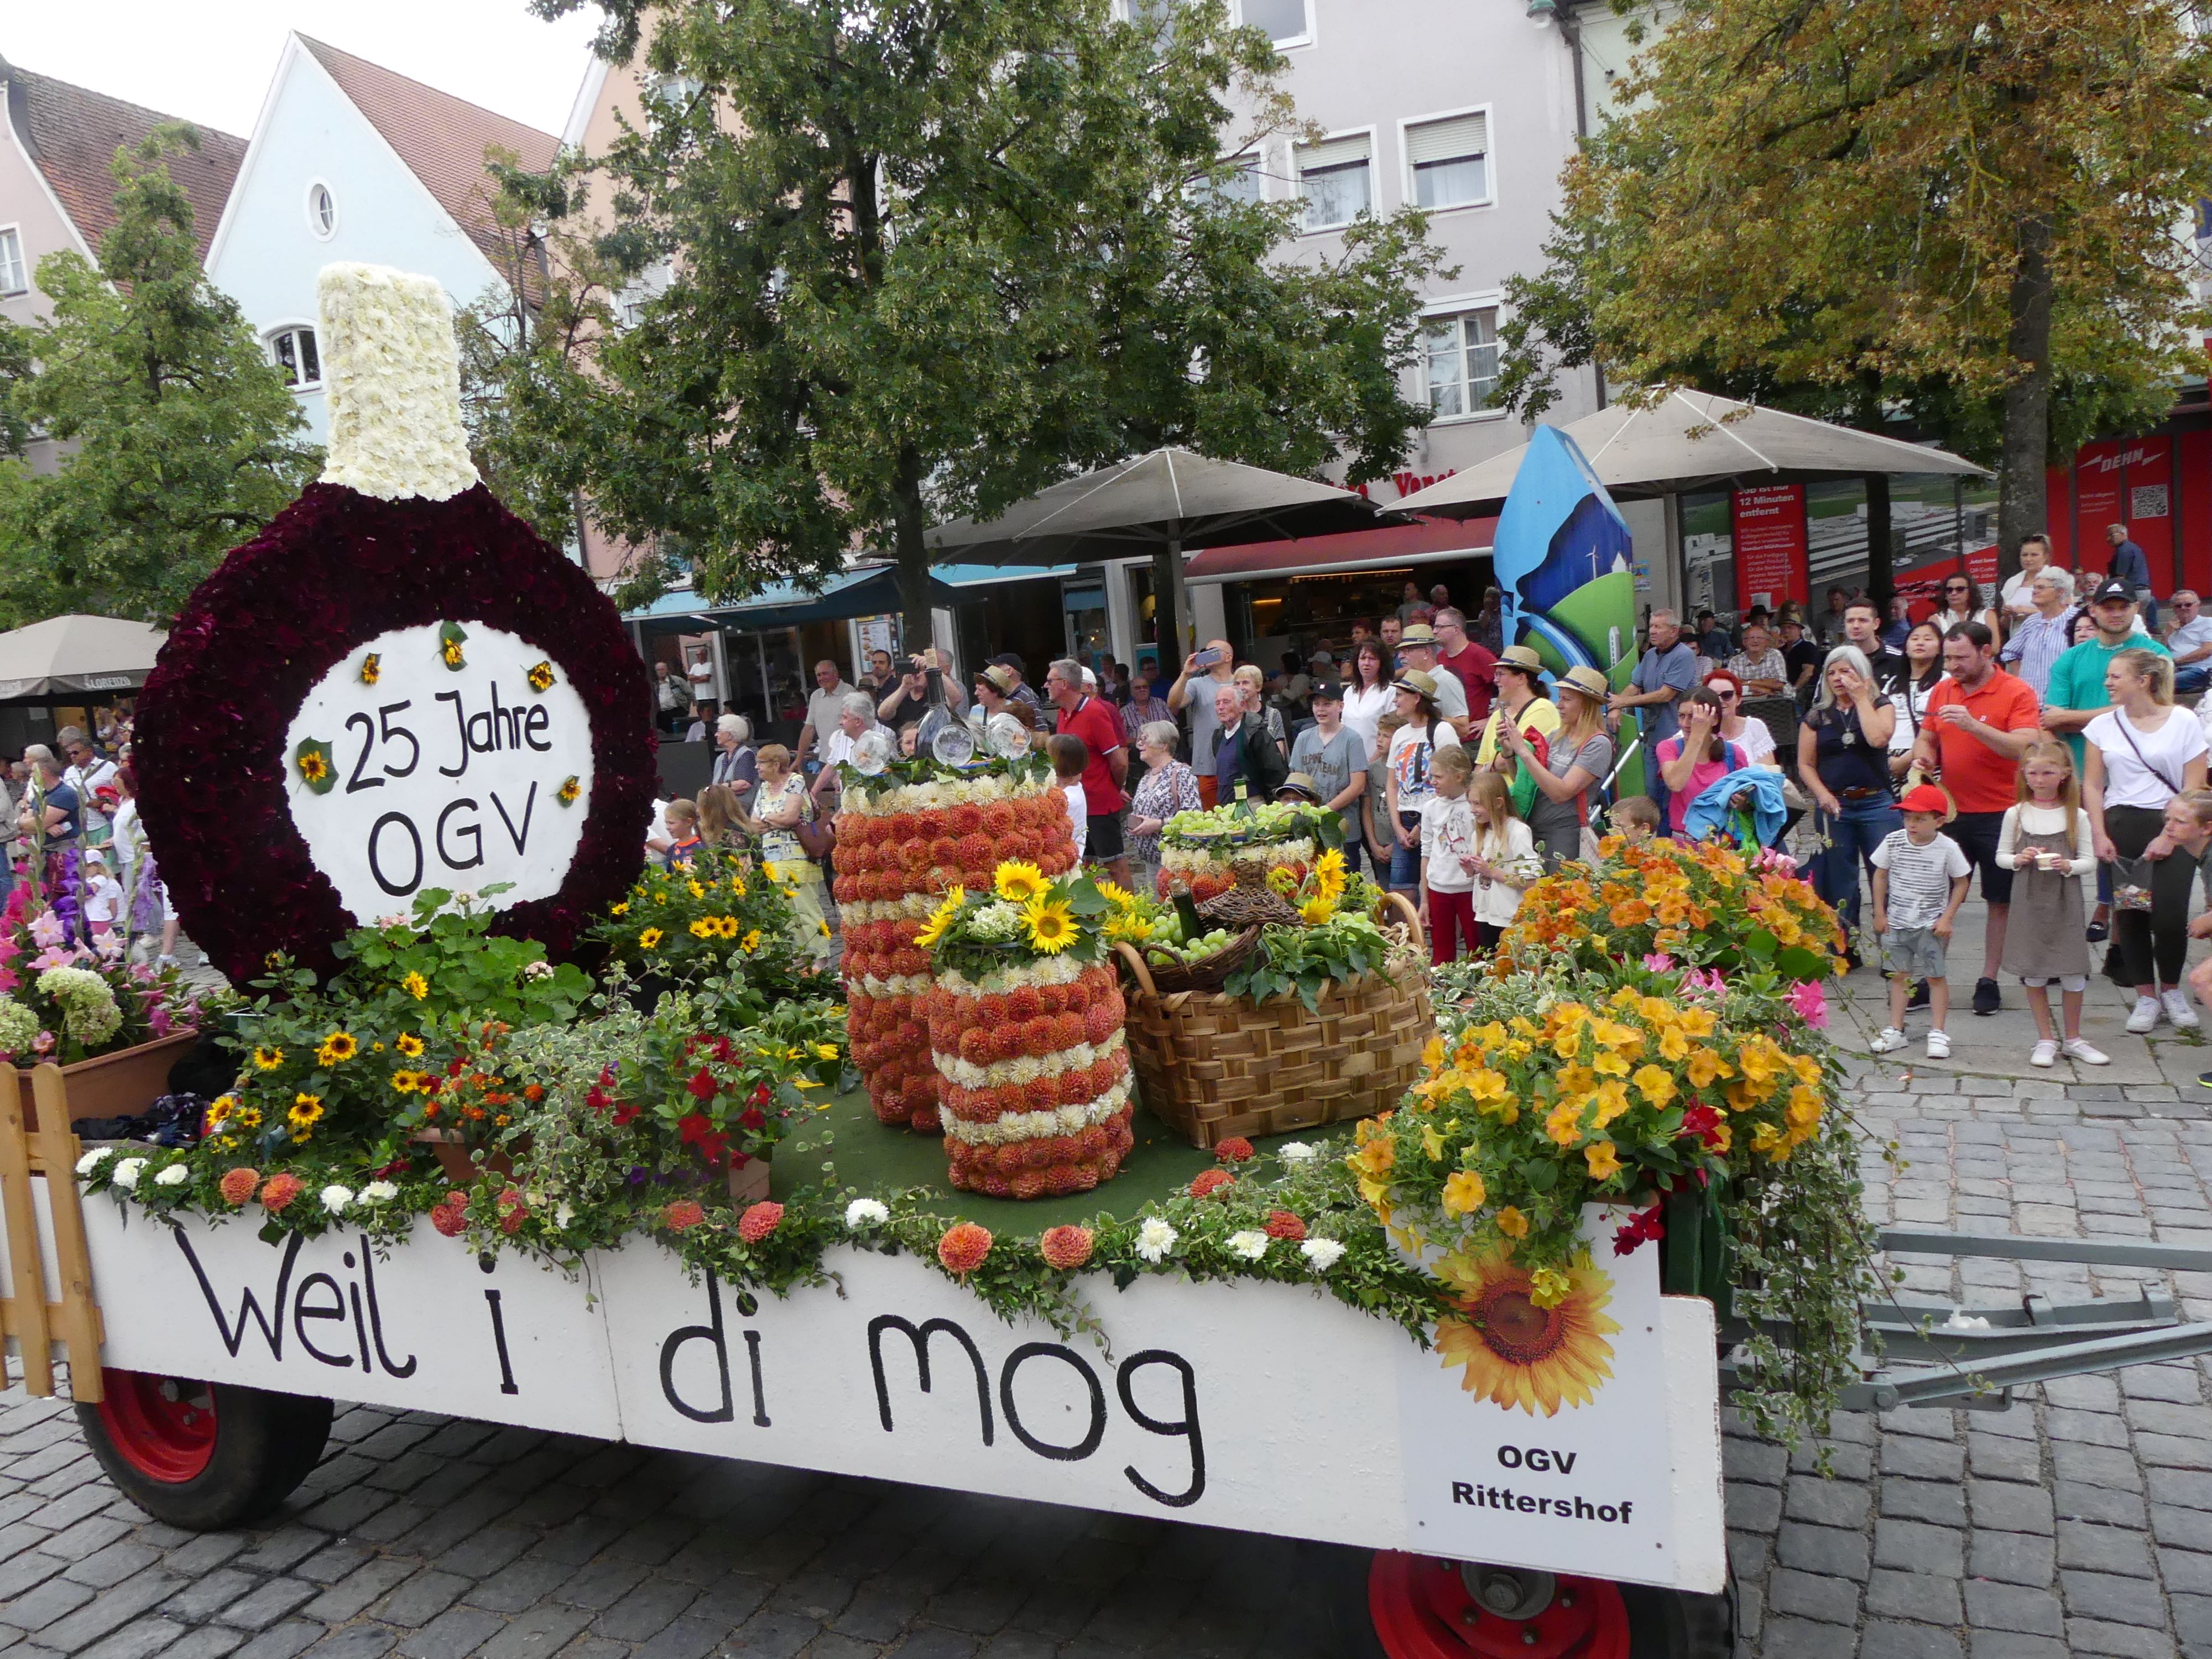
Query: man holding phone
x=1203 y=673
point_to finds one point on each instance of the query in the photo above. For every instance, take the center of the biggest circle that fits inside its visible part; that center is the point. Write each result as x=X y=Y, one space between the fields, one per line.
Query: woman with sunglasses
x=1747 y=732
x=1963 y=602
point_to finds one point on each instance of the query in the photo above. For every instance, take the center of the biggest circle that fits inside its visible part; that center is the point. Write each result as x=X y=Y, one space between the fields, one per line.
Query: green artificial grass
x=866 y=1154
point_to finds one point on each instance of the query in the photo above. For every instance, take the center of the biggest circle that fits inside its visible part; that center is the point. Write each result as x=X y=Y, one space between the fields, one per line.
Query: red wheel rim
x=1422 y=1610
x=162 y=1426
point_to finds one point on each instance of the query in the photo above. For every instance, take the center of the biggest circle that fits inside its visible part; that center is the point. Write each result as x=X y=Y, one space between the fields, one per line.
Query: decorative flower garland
x=334 y=569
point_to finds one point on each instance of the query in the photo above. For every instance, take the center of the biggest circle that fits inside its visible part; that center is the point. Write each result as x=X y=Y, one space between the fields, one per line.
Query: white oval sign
x=405 y=773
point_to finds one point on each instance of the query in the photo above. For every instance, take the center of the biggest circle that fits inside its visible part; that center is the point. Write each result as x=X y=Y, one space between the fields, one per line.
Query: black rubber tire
x=266 y=1445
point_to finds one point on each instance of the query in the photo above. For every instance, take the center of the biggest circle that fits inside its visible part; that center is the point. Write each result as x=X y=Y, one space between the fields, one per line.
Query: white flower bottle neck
x=393 y=375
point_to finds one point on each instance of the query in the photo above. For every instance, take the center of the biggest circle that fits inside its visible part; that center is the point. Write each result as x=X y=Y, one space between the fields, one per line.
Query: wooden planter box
x=120 y=1084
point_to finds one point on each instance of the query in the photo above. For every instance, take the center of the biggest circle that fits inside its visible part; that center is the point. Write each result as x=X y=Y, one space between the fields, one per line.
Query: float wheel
x=203 y=1455
x=1423 y=1608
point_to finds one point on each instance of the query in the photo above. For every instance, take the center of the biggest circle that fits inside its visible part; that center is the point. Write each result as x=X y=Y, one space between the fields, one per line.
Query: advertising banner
x=1771 y=566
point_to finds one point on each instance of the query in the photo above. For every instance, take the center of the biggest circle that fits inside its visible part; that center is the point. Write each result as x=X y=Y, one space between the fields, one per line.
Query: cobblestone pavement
x=2077 y=1521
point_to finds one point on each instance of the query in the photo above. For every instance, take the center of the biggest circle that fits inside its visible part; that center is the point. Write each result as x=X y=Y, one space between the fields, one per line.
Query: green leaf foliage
x=910 y=261
x=176 y=439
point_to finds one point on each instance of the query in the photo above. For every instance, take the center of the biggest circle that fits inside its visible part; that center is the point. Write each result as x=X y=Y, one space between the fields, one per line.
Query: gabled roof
x=439 y=137
x=73 y=133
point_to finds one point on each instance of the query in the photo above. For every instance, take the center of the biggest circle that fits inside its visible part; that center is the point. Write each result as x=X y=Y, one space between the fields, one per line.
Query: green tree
x=1965 y=209
x=176 y=439
x=919 y=258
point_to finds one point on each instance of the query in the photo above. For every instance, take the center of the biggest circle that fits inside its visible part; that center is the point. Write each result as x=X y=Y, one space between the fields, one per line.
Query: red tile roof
x=73 y=133
x=441 y=138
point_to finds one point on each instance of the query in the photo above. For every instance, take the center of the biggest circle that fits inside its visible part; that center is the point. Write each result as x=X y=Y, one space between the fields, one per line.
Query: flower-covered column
x=901 y=845
x=1025 y=1032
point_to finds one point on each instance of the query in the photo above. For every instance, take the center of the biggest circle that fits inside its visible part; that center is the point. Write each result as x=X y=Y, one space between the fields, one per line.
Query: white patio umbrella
x=1695 y=441
x=66 y=654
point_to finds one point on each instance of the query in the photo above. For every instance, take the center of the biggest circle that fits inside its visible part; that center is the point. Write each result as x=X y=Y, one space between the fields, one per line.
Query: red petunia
x=1210 y=1181
x=684 y=1214
x=963 y=1248
x=703 y=1085
x=1234 y=1150
x=1282 y=1223
x=1065 y=1247
x=758 y=1222
x=1704 y=1122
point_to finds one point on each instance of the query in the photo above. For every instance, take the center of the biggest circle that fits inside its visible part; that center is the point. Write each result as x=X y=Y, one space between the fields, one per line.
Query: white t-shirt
x=1363 y=712
x=1409 y=761
x=1755 y=740
x=2017 y=596
x=1079 y=811
x=1920 y=877
x=1447 y=832
x=1451 y=692
x=2149 y=771
x=103 y=897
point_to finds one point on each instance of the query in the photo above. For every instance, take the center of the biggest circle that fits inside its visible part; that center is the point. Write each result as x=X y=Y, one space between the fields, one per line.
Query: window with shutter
x=1335 y=181
x=1449 y=160
x=13 y=279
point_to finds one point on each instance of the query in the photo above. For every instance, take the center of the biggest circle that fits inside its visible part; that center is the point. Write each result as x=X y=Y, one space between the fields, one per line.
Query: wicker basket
x=1211 y=1066
x=1169 y=972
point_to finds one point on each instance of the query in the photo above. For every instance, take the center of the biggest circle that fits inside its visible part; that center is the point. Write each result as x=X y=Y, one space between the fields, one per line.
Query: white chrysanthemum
x=1250 y=1243
x=379 y=1192
x=336 y=1198
x=93 y=1159
x=1297 y=1151
x=392 y=380
x=1321 y=1253
x=1155 y=1239
x=865 y=1212
x=173 y=1175
x=128 y=1171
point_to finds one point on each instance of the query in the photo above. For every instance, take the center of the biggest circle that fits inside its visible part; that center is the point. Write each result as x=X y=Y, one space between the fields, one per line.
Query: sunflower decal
x=313 y=761
x=567 y=793
x=540 y=677
x=1516 y=1353
x=372 y=669
x=450 y=636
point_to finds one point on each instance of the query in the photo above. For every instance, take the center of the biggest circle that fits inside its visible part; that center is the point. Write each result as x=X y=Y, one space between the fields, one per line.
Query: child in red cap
x=1919 y=883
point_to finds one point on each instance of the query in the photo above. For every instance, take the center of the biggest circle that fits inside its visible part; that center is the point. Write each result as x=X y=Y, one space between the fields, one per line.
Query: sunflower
x=266 y=1059
x=1051 y=925
x=1117 y=896
x=622 y=909
x=704 y=927
x=372 y=668
x=649 y=938
x=933 y=929
x=567 y=793
x=726 y=926
x=1317 y=909
x=416 y=986
x=314 y=765
x=220 y=1110
x=1517 y=1353
x=337 y=1048
x=540 y=675
x=451 y=652
x=1019 y=881
x=695 y=889
x=305 y=1112
x=406 y=1083
x=1328 y=869
x=750 y=942
x=408 y=1044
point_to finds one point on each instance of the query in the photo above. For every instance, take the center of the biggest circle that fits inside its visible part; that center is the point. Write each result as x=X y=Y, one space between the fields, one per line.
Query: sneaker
x=2077 y=1049
x=1919 y=997
x=1986 y=999
x=2046 y=1053
x=1888 y=1042
x=2145 y=1016
x=2178 y=1013
x=1939 y=1045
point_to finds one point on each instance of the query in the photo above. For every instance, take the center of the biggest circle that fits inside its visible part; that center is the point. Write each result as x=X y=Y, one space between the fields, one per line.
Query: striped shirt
x=2037 y=642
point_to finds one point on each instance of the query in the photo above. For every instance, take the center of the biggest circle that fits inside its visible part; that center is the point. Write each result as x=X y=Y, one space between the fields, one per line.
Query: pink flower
x=758 y=1222
x=1811 y=1003
x=52 y=957
x=1705 y=982
x=109 y=945
x=1658 y=961
x=158 y=1022
x=46 y=928
x=43 y=1043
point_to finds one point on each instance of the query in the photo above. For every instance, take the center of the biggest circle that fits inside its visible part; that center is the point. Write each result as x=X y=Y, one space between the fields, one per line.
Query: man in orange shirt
x=1980 y=721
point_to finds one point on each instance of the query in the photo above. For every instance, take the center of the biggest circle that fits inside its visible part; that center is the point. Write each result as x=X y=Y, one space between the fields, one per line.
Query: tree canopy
x=176 y=439
x=1970 y=211
x=895 y=261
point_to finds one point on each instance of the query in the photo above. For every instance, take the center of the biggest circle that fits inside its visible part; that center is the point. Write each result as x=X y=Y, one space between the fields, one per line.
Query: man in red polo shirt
x=1980 y=721
x=1095 y=723
x=1473 y=663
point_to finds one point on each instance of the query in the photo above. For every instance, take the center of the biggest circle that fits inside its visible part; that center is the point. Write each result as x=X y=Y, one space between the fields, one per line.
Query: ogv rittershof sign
x=453 y=756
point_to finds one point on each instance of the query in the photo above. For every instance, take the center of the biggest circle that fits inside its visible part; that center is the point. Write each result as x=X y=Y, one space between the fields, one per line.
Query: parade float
x=569 y=1146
